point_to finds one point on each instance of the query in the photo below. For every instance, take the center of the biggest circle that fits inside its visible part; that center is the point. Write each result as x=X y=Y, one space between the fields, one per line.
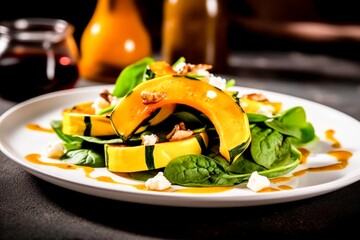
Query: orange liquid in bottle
x=114 y=38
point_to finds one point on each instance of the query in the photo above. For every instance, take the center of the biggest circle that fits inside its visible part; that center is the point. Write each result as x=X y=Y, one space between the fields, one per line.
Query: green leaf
x=256 y=118
x=230 y=83
x=131 y=76
x=144 y=175
x=57 y=125
x=283 y=128
x=84 y=157
x=268 y=146
x=293 y=123
x=244 y=164
x=180 y=60
x=199 y=170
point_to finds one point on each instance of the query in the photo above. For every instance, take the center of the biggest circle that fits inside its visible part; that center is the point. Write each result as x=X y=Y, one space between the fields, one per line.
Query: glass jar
x=114 y=38
x=37 y=56
x=196 y=30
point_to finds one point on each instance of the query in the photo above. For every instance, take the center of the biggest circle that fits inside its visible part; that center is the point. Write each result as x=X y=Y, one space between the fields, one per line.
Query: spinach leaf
x=82 y=150
x=70 y=142
x=284 y=128
x=84 y=157
x=256 y=118
x=57 y=125
x=202 y=171
x=245 y=164
x=230 y=83
x=199 y=170
x=268 y=146
x=131 y=76
x=280 y=170
x=180 y=60
x=293 y=123
x=144 y=175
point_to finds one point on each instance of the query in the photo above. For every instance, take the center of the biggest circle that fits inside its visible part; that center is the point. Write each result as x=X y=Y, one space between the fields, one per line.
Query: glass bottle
x=196 y=30
x=114 y=38
x=37 y=56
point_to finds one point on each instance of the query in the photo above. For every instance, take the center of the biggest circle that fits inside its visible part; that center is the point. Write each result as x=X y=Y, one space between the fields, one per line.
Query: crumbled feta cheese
x=257 y=182
x=202 y=72
x=114 y=100
x=266 y=110
x=211 y=94
x=218 y=82
x=149 y=139
x=55 y=149
x=100 y=103
x=159 y=182
x=244 y=104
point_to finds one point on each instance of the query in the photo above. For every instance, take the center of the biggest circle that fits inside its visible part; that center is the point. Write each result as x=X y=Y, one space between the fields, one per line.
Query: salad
x=179 y=124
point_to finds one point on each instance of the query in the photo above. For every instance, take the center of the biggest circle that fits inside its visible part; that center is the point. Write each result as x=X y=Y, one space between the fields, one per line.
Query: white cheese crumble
x=159 y=182
x=114 y=100
x=149 y=139
x=100 y=103
x=55 y=149
x=202 y=72
x=244 y=104
x=257 y=182
x=218 y=82
x=266 y=110
x=211 y=94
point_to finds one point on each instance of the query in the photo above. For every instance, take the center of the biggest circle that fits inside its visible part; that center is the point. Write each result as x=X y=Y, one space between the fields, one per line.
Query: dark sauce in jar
x=37 y=56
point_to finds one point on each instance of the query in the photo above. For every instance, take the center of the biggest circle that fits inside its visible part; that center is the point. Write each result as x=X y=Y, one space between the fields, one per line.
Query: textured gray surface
x=31 y=208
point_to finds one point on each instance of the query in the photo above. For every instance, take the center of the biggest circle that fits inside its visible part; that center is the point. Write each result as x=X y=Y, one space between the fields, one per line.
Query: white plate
x=17 y=141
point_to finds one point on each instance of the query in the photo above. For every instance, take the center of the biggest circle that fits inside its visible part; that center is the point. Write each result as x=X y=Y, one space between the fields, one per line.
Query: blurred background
x=254 y=24
x=307 y=26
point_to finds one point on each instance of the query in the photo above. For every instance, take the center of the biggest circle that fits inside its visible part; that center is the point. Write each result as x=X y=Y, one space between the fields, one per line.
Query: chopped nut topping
x=152 y=97
x=193 y=68
x=105 y=94
x=179 y=132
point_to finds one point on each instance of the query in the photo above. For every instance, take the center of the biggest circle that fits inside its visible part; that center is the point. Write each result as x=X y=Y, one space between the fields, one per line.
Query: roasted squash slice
x=161 y=68
x=228 y=117
x=82 y=120
x=258 y=103
x=122 y=158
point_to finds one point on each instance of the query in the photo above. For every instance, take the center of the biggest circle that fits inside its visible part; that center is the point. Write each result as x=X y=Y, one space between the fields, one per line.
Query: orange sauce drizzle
x=330 y=135
x=304 y=155
x=268 y=189
x=35 y=158
x=37 y=127
x=341 y=155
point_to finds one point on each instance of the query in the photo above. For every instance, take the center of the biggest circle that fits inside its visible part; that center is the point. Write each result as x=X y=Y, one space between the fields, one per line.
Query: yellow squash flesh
x=122 y=158
x=229 y=119
x=256 y=103
x=82 y=120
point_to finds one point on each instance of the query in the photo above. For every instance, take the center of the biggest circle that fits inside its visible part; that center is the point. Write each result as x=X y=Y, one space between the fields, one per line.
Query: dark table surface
x=31 y=208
